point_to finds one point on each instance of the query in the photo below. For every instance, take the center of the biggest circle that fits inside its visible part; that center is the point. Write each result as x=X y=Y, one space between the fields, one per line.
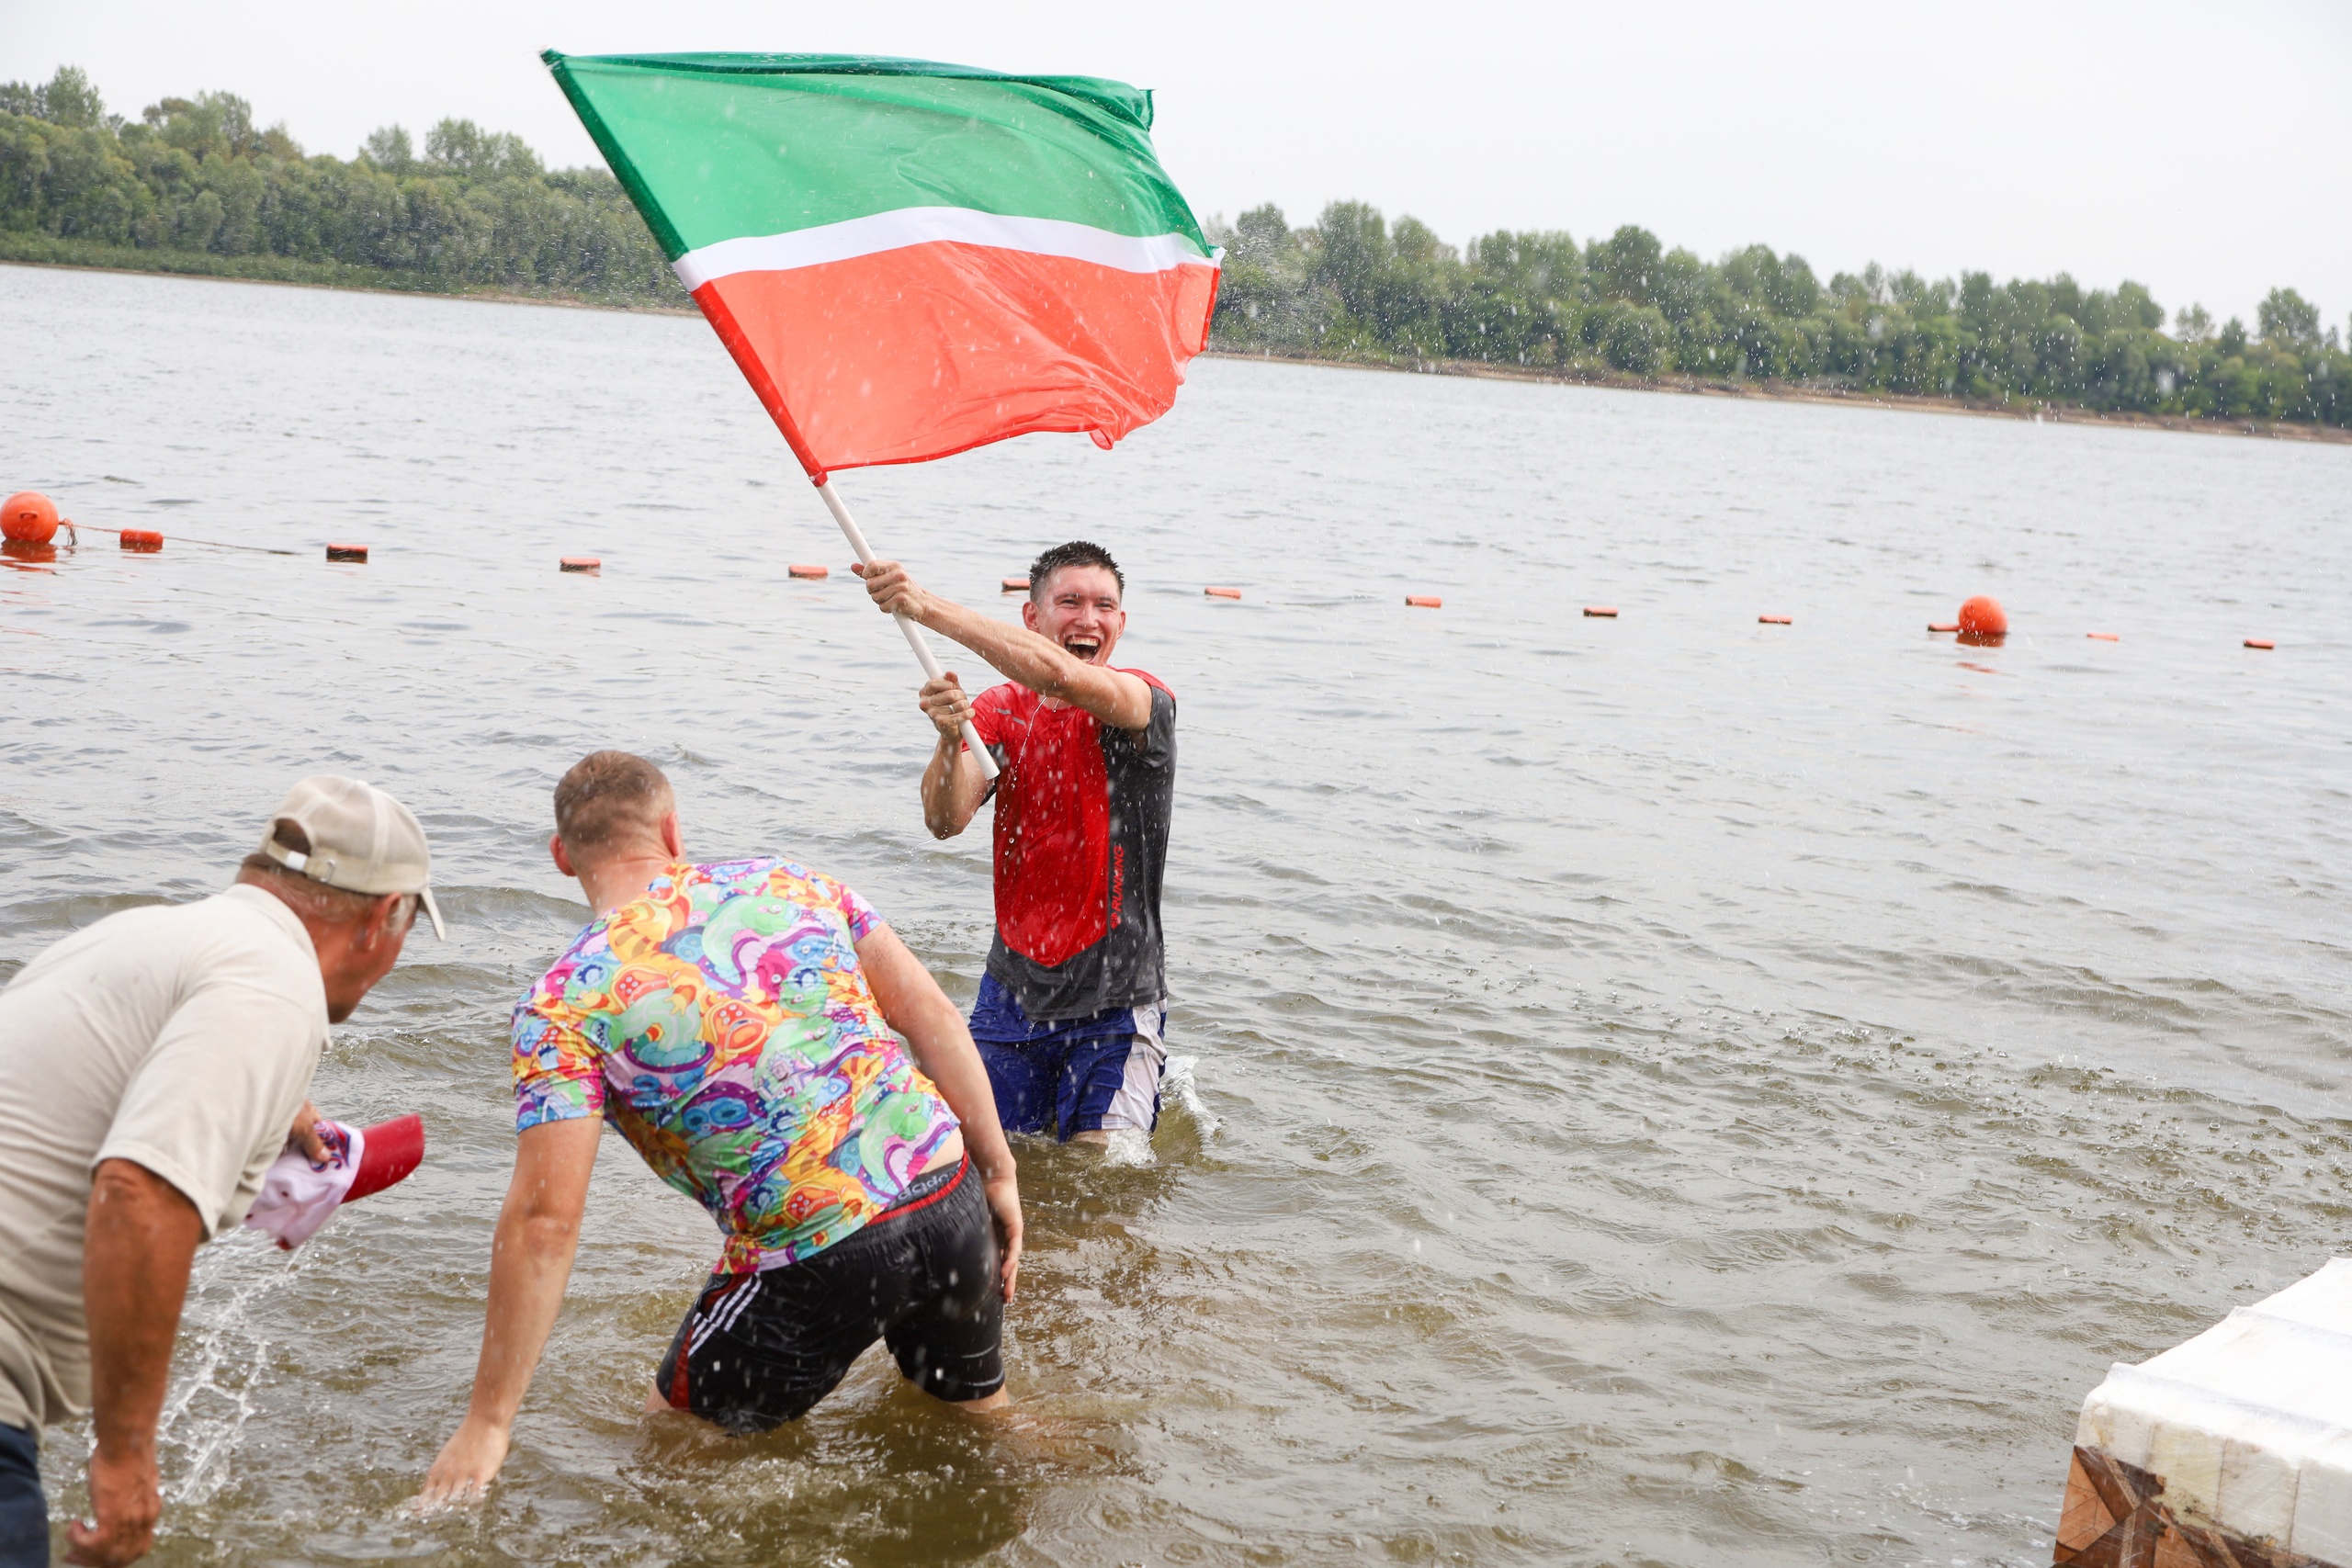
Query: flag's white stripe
x=928 y=225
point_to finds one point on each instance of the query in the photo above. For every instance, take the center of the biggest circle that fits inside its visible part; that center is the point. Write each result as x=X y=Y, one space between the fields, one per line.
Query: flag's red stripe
x=929 y=350
x=747 y=359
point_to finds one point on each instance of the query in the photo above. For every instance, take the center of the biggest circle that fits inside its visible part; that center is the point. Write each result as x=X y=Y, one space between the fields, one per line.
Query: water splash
x=1180 y=1083
x=220 y=1357
x=1128 y=1146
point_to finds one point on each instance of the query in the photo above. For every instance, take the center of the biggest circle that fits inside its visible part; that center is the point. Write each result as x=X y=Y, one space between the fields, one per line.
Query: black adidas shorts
x=760 y=1349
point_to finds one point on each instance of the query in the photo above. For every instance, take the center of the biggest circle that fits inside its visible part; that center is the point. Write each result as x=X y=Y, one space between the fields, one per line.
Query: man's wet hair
x=610 y=797
x=1078 y=552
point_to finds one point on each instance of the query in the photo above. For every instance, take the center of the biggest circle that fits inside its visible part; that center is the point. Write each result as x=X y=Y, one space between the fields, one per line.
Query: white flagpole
x=923 y=655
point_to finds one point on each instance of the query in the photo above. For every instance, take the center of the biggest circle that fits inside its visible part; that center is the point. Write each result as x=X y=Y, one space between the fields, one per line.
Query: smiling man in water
x=1072 y=1007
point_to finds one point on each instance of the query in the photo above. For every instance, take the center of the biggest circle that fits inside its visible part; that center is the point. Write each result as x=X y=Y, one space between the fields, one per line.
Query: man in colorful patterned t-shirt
x=1072 y=1010
x=734 y=1022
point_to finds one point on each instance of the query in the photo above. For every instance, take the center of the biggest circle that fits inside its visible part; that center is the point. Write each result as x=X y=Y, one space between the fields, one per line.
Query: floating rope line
x=74 y=529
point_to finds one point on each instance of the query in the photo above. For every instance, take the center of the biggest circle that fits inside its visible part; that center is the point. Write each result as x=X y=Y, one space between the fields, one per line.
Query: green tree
x=389 y=149
x=2287 y=321
x=69 y=98
x=1626 y=263
x=462 y=148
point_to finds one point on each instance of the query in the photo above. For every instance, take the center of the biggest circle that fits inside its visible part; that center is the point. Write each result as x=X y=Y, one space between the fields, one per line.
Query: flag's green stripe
x=718 y=146
x=1130 y=104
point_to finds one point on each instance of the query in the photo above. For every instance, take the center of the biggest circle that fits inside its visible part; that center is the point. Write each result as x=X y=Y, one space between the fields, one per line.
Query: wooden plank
x=2115 y=1517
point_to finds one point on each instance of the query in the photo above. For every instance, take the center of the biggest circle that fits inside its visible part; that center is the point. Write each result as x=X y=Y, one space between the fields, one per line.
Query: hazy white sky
x=2199 y=149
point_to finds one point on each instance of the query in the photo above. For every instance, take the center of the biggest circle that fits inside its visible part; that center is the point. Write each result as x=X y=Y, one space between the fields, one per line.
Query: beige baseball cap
x=362 y=840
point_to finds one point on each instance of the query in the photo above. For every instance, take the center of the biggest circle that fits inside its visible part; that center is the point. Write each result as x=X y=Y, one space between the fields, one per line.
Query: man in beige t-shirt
x=151 y=1067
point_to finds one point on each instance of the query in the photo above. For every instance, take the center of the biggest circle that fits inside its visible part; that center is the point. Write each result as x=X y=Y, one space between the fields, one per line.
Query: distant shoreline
x=288 y=273
x=1798 y=392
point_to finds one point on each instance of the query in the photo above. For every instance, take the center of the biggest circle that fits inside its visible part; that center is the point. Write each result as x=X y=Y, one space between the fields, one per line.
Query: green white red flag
x=908 y=260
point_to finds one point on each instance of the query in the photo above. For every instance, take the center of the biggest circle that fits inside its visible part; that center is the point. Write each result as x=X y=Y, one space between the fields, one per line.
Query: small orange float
x=1773 y=621
x=583 y=563
x=145 y=541
x=1943 y=626
x=1016 y=585
x=1601 y=612
x=2103 y=637
x=28 y=517
x=1425 y=600
x=1222 y=592
x=811 y=572
x=2260 y=642
x=1982 y=616
x=348 y=552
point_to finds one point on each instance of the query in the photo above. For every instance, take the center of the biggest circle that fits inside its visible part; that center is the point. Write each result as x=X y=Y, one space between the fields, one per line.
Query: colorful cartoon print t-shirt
x=720 y=1020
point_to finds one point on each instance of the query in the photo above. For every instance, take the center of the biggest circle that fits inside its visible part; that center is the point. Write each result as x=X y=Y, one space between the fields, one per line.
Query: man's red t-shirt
x=1082 y=837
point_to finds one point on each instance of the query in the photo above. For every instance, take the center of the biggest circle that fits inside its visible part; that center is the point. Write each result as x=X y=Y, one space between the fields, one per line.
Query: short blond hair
x=610 y=797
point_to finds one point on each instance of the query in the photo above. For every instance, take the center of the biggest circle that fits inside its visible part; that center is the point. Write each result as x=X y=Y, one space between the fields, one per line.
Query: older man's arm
x=142 y=1240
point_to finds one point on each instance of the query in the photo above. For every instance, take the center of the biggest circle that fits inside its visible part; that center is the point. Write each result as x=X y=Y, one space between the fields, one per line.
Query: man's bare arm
x=953 y=784
x=142 y=1238
x=1118 y=699
x=914 y=1004
x=530 y=1263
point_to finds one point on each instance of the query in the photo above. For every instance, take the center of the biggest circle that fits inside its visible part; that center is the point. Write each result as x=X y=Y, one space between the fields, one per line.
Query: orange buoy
x=1943 y=626
x=142 y=539
x=1605 y=612
x=2102 y=636
x=28 y=517
x=1222 y=592
x=583 y=563
x=808 y=571
x=1772 y=621
x=1425 y=600
x=1982 y=616
x=1016 y=585
x=348 y=552
x=2260 y=642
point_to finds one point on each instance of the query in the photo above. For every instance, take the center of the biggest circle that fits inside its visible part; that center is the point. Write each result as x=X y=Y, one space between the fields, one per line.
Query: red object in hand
x=1982 y=616
x=28 y=517
x=298 y=1195
x=388 y=1153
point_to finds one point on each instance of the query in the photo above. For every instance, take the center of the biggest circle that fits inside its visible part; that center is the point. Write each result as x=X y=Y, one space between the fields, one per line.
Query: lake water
x=1671 y=1089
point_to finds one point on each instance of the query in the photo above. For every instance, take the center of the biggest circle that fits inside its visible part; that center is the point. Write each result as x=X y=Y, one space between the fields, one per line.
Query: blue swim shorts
x=1099 y=1074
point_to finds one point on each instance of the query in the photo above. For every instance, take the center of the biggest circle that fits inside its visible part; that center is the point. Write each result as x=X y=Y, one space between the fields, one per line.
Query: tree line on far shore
x=1355 y=285
x=193 y=185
